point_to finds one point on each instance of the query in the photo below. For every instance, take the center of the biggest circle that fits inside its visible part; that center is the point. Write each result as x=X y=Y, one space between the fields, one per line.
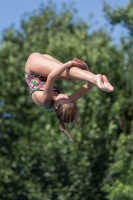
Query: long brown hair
x=67 y=113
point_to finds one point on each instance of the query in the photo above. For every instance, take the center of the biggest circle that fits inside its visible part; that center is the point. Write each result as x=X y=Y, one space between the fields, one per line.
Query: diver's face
x=62 y=99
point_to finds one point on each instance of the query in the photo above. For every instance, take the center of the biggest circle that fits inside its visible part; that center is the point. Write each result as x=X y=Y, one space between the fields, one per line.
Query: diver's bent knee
x=34 y=55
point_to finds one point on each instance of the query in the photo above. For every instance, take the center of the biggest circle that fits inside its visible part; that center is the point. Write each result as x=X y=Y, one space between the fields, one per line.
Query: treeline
x=37 y=162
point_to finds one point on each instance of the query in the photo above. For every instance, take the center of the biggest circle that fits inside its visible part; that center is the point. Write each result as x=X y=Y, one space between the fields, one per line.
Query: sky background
x=11 y=12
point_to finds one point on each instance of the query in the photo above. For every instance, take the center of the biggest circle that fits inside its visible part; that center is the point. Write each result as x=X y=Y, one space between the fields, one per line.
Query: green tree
x=119 y=179
x=38 y=162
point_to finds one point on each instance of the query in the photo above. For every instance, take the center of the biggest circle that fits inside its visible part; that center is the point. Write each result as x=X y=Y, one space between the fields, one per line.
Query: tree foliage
x=37 y=162
x=119 y=180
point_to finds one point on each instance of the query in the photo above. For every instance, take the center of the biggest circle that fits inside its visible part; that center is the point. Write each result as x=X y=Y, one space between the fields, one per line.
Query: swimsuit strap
x=50 y=105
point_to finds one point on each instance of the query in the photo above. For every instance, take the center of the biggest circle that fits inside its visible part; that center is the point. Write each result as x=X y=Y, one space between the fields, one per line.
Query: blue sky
x=11 y=11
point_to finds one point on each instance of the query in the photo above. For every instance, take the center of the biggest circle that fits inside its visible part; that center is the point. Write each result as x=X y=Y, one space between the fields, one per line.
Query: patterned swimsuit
x=36 y=82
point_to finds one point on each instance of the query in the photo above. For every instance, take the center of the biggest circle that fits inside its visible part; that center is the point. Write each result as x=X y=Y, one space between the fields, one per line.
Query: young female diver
x=41 y=72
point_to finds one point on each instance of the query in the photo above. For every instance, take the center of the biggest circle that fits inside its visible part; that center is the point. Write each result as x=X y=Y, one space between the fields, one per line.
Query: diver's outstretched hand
x=103 y=83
